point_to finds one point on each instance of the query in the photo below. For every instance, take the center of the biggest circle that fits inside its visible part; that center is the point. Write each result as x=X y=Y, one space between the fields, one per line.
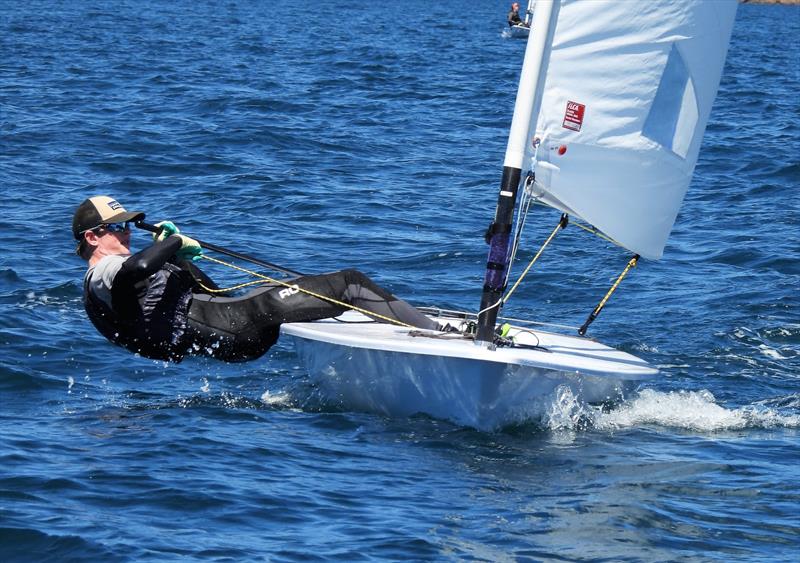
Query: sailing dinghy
x=612 y=103
x=522 y=30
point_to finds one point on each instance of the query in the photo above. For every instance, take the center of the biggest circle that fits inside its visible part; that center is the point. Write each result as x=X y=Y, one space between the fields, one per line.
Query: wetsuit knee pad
x=354 y=277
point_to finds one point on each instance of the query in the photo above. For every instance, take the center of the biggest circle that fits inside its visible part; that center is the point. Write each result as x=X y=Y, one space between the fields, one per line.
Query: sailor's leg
x=244 y=328
x=347 y=286
x=231 y=329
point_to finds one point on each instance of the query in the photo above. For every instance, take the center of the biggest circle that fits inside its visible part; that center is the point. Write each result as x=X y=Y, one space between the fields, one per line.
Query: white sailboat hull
x=518 y=31
x=380 y=368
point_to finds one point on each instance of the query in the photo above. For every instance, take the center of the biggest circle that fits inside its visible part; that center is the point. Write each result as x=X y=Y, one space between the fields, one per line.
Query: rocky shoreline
x=784 y=2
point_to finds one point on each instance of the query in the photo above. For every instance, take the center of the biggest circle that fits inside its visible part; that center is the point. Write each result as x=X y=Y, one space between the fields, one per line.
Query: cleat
x=449 y=328
x=501 y=338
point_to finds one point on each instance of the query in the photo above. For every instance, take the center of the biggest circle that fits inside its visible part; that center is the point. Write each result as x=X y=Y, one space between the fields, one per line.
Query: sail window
x=674 y=113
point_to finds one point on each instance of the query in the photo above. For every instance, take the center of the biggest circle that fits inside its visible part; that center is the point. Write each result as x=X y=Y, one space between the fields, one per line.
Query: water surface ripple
x=372 y=136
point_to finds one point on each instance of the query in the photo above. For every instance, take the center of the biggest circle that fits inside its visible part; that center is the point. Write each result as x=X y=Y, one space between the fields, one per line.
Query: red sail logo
x=573 y=117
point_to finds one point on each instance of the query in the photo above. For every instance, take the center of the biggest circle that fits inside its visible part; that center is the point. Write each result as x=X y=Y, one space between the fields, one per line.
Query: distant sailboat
x=521 y=30
x=612 y=105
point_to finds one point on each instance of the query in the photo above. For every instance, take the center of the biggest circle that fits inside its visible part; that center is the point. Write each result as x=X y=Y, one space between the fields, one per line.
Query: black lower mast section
x=498 y=236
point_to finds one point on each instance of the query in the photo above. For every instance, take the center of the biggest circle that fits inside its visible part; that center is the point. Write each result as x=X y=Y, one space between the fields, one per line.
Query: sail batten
x=626 y=91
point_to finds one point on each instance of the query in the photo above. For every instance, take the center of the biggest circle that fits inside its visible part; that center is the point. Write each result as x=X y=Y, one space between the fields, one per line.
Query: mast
x=529 y=12
x=529 y=97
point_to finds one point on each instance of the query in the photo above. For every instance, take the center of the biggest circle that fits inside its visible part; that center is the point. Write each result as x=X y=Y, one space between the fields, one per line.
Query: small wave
x=29 y=544
x=225 y=400
x=9 y=276
x=786 y=402
x=65 y=294
x=790 y=171
x=278 y=400
x=20 y=378
x=777 y=343
x=691 y=410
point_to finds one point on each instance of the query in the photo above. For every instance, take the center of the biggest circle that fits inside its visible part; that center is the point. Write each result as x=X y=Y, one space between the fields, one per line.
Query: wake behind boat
x=612 y=105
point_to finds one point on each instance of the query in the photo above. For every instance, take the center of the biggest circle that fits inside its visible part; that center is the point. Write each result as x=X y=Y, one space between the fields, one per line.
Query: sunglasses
x=114 y=227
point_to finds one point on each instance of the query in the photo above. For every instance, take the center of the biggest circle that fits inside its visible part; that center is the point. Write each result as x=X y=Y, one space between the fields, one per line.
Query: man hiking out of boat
x=156 y=303
x=513 y=15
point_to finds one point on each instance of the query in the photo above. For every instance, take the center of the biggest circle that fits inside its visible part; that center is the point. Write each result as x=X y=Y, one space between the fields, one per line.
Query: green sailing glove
x=167 y=228
x=190 y=249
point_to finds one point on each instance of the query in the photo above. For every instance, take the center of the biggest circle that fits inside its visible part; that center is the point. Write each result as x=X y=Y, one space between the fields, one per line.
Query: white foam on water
x=280 y=399
x=771 y=352
x=566 y=410
x=690 y=410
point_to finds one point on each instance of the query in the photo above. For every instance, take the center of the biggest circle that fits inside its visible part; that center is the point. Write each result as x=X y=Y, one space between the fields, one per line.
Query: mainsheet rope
x=263 y=279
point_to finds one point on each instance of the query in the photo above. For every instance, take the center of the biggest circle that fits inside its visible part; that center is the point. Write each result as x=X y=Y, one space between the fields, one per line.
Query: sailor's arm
x=147 y=262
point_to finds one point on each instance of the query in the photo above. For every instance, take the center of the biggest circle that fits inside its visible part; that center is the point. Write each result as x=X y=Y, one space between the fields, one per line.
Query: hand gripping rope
x=266 y=279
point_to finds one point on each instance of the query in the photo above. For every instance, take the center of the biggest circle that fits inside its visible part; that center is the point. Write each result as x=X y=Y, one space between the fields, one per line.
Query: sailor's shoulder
x=106 y=268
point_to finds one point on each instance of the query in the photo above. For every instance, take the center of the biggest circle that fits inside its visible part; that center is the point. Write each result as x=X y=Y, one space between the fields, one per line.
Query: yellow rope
x=505 y=298
x=266 y=279
x=594 y=231
x=631 y=263
x=532 y=262
x=561 y=225
x=593 y=315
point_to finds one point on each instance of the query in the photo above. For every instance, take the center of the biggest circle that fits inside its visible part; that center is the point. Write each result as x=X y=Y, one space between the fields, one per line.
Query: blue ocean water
x=372 y=136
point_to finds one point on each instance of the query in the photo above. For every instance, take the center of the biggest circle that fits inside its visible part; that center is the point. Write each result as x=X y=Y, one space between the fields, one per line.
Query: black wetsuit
x=513 y=18
x=159 y=309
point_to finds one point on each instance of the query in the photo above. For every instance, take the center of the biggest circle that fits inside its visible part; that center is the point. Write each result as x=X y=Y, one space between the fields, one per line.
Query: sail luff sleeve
x=529 y=91
x=529 y=95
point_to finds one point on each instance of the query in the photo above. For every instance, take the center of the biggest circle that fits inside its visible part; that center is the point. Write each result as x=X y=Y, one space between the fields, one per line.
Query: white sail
x=624 y=91
x=616 y=149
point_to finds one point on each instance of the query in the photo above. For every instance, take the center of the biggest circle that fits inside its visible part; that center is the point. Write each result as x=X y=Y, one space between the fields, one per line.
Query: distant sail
x=626 y=88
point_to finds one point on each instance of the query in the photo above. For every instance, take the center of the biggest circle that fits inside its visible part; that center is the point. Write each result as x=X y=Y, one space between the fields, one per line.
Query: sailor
x=158 y=304
x=513 y=15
